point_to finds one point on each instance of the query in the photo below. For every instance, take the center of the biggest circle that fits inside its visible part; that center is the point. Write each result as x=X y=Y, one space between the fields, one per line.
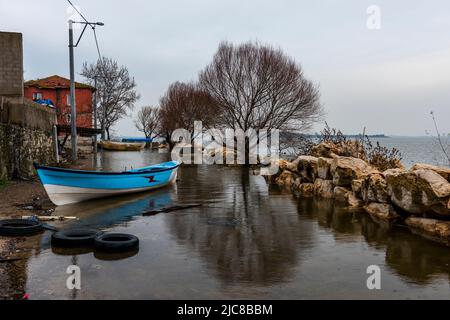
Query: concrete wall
x=26 y=130
x=11 y=64
x=26 y=113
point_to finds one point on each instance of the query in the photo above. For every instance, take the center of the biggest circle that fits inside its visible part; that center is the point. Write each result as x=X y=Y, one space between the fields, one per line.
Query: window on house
x=37 y=96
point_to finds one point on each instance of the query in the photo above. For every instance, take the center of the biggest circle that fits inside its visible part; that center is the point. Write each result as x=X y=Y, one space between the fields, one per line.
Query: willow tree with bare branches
x=116 y=91
x=259 y=87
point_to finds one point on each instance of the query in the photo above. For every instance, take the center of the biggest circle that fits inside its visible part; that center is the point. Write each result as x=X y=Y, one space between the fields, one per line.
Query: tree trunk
x=147 y=144
x=247 y=151
x=103 y=130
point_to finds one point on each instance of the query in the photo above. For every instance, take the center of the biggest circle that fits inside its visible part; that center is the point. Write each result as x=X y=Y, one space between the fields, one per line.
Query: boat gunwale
x=55 y=169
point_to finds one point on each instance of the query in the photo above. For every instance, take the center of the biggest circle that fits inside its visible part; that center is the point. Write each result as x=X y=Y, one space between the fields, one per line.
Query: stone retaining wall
x=25 y=137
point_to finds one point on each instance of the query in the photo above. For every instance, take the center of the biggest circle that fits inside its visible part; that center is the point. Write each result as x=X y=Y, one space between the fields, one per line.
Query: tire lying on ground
x=74 y=238
x=20 y=227
x=116 y=242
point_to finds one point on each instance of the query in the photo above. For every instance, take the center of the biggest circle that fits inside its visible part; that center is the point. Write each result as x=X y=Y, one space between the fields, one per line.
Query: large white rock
x=420 y=192
x=442 y=171
x=345 y=169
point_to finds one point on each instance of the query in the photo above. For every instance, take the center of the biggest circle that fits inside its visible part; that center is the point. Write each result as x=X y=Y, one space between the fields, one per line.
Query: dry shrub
x=381 y=157
x=346 y=147
x=295 y=145
x=378 y=156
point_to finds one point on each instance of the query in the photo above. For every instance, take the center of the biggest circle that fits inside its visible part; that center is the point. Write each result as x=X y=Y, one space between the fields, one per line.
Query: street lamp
x=73 y=106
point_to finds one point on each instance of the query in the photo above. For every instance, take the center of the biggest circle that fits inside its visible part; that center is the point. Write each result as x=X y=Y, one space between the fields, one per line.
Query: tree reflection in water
x=264 y=248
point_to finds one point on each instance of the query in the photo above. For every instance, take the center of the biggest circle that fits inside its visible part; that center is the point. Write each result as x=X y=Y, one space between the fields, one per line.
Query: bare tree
x=148 y=121
x=260 y=87
x=182 y=105
x=115 y=91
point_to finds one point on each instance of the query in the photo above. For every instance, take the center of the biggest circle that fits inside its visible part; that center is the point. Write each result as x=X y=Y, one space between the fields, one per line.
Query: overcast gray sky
x=387 y=80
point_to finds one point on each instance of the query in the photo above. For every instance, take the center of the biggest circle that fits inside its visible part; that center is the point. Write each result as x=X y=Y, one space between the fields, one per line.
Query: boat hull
x=121 y=146
x=71 y=186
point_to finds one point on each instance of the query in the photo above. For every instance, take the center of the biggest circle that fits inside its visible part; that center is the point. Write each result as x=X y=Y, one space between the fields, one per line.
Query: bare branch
x=182 y=105
x=115 y=90
x=148 y=121
x=439 y=139
x=260 y=87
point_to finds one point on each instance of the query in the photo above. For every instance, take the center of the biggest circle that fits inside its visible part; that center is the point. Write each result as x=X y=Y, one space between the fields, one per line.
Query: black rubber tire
x=116 y=242
x=74 y=238
x=20 y=227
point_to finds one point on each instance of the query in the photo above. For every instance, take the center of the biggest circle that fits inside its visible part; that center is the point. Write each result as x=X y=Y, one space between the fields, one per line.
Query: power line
x=100 y=62
x=98 y=47
x=78 y=11
x=95 y=36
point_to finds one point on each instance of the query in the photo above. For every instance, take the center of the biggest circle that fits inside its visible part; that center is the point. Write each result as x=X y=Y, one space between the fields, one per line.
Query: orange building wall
x=83 y=99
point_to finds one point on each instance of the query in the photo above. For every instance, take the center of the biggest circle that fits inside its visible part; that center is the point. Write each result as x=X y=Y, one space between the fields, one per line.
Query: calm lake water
x=418 y=149
x=247 y=241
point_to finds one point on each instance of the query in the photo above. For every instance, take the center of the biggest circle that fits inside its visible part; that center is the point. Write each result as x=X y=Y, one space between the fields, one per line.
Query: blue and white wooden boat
x=66 y=186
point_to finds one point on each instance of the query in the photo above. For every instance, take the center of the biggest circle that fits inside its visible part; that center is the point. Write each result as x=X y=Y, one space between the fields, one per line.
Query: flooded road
x=247 y=241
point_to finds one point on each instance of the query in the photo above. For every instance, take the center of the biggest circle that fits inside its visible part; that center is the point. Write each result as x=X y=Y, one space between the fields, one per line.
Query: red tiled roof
x=55 y=82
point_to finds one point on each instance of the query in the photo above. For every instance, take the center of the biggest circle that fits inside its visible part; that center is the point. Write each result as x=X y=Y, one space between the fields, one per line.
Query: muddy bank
x=22 y=198
x=19 y=198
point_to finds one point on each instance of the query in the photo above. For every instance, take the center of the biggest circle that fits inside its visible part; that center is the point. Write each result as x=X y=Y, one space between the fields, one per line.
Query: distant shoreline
x=353 y=135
